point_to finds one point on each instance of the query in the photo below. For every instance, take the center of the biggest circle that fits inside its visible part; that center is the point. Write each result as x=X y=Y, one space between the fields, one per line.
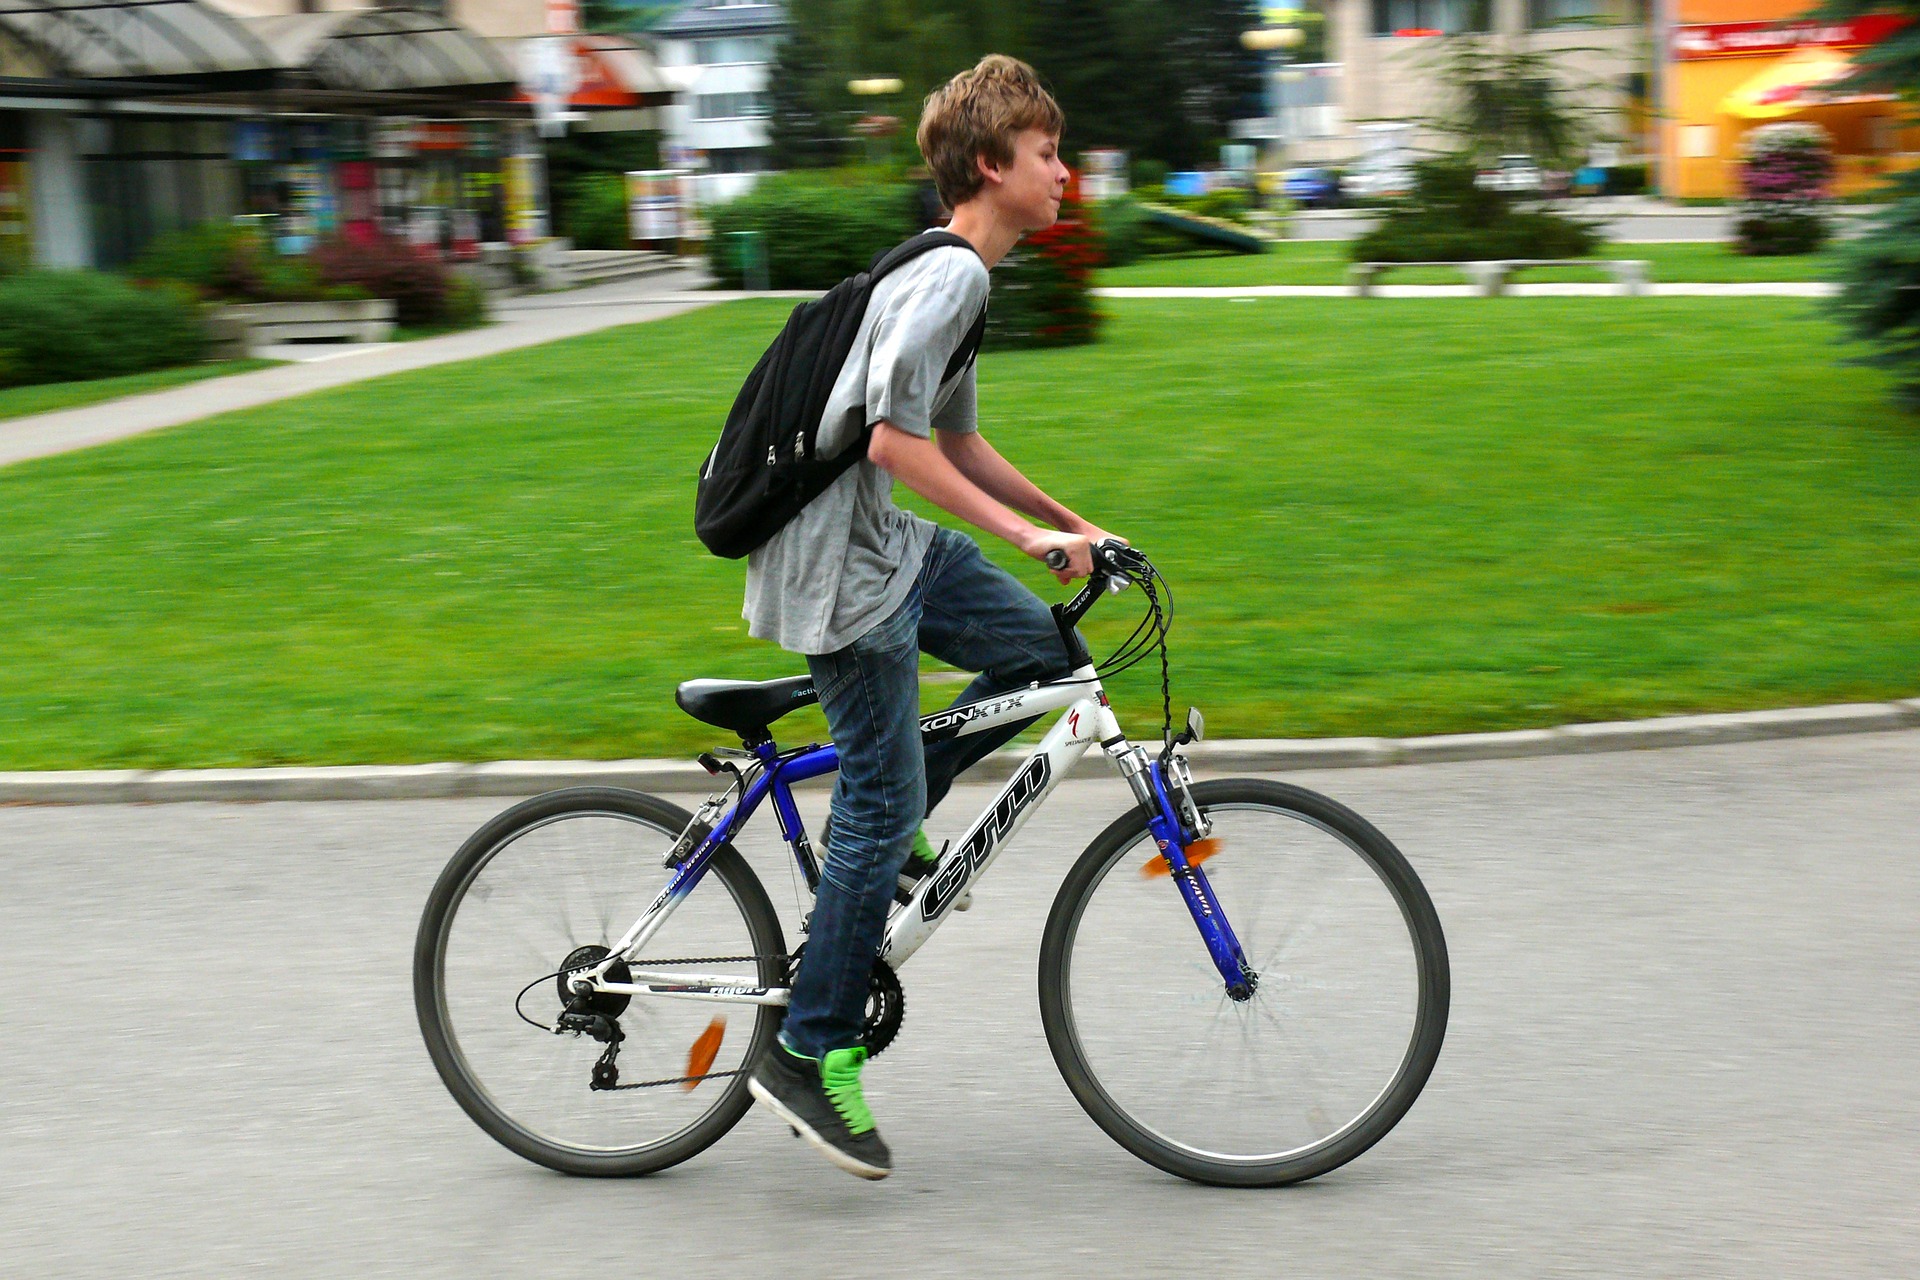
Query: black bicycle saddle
x=745 y=706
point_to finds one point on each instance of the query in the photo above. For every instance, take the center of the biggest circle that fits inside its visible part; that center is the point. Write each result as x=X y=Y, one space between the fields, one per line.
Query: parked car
x=1379 y=182
x=1511 y=173
x=1311 y=188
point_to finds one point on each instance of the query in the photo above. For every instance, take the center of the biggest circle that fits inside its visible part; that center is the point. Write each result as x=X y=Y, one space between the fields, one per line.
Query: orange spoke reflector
x=705 y=1050
x=1197 y=852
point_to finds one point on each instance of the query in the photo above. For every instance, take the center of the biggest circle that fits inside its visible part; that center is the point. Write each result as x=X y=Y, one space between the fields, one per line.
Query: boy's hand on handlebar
x=1067 y=555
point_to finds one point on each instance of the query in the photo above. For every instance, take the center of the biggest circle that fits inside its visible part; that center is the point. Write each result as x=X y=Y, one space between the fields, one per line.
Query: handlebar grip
x=1056 y=560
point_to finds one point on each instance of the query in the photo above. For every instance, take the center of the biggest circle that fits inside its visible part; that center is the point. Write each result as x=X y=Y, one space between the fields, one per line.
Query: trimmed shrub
x=1626 y=180
x=64 y=326
x=1448 y=217
x=467 y=303
x=226 y=262
x=596 y=212
x=815 y=232
x=419 y=283
x=1042 y=290
x=1785 y=174
x=1127 y=234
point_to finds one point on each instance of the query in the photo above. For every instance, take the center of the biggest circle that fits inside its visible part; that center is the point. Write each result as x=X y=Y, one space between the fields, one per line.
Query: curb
x=1259 y=755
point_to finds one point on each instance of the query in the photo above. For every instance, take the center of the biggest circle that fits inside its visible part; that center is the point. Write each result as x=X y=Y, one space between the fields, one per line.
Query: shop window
x=737 y=160
x=1542 y=14
x=727 y=49
x=1431 y=17
x=731 y=106
x=1699 y=142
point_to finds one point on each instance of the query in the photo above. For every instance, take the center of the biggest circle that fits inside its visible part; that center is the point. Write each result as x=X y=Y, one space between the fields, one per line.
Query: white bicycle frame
x=1088 y=719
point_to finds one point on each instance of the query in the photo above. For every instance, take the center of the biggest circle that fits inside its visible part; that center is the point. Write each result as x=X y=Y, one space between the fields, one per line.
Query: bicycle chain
x=612 y=1050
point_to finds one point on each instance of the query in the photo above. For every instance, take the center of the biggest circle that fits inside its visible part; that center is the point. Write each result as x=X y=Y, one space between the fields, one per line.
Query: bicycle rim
x=1334 y=1043
x=533 y=894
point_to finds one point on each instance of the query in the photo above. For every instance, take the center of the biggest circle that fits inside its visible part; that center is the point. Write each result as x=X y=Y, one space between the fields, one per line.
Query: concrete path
x=1773 y=289
x=1681 y=1044
x=519 y=322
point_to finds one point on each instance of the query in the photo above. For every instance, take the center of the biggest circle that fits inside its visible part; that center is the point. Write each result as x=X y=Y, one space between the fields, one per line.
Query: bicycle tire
x=609 y=810
x=1421 y=1013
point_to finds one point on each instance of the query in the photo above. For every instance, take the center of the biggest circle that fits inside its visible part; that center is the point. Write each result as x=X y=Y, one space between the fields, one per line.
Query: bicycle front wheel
x=1344 y=1023
x=521 y=899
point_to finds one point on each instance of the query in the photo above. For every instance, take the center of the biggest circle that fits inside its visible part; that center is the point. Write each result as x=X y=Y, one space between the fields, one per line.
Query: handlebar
x=1115 y=565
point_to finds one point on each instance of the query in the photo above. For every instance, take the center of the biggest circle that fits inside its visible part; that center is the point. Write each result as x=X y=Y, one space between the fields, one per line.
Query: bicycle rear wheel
x=1344 y=1023
x=557 y=873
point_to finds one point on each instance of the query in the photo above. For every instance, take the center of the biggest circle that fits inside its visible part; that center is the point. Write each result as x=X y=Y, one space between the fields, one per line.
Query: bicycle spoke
x=1325 y=1030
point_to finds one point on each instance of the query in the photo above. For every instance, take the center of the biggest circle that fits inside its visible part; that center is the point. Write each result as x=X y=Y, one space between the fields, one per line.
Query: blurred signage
x=526 y=220
x=1743 y=39
x=16 y=241
x=656 y=202
x=1105 y=174
x=252 y=140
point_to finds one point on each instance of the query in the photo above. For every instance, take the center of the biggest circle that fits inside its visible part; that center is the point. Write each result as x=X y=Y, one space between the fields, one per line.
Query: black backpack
x=765 y=469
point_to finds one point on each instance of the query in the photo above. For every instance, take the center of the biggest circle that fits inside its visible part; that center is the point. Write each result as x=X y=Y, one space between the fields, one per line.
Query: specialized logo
x=956 y=871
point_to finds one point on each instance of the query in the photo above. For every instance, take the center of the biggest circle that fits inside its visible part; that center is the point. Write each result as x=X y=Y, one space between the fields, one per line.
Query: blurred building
x=719 y=54
x=1383 y=56
x=1739 y=64
x=122 y=119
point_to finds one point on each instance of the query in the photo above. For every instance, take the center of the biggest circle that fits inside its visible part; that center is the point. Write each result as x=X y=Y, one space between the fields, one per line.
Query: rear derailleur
x=595 y=1013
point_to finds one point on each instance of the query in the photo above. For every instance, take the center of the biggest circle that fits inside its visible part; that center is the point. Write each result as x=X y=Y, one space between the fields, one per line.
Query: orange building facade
x=1738 y=64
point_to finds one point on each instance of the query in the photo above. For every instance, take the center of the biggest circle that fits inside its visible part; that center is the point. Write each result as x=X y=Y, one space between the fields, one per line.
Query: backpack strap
x=906 y=251
x=969 y=347
x=889 y=259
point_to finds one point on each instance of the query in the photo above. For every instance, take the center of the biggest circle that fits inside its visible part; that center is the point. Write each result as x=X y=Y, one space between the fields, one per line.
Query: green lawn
x=1404 y=517
x=1324 y=262
x=18 y=402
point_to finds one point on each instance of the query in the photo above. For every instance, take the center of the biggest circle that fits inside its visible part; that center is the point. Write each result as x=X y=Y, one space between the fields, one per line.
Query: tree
x=1506 y=99
x=1879 y=300
x=1159 y=78
x=807 y=128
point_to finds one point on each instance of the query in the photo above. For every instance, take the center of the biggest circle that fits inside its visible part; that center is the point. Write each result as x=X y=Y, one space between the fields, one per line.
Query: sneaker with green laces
x=821 y=1099
x=919 y=865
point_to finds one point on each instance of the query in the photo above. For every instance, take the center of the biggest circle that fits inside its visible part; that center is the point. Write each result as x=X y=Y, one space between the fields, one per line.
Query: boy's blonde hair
x=979 y=113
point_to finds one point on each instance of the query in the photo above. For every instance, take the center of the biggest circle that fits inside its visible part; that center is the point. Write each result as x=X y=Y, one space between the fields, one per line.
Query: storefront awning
x=383 y=51
x=1800 y=84
x=135 y=39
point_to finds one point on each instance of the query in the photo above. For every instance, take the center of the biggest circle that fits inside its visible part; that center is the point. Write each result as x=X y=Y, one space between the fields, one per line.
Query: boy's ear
x=989 y=169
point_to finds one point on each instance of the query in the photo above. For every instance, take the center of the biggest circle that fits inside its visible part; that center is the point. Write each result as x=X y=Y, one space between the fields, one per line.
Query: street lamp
x=873 y=125
x=1276 y=38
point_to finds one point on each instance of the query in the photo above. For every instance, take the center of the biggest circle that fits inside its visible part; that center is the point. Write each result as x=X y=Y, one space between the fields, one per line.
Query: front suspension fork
x=1175 y=822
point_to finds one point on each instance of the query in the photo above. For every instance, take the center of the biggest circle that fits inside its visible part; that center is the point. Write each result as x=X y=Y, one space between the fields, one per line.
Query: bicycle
x=1254 y=1022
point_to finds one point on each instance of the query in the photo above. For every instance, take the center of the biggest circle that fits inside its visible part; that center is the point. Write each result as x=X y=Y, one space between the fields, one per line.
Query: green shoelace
x=840 y=1077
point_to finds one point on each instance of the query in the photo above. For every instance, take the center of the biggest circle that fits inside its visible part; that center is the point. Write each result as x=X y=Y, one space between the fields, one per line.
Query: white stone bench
x=1489 y=276
x=242 y=328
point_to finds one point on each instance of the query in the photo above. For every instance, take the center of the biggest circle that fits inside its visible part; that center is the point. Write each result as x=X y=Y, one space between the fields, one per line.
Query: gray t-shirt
x=850 y=557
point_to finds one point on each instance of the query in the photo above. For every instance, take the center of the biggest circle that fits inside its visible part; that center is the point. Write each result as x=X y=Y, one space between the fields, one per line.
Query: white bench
x=1490 y=275
x=240 y=329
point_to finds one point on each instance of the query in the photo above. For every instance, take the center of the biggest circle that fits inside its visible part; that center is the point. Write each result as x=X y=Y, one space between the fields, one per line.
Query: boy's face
x=1031 y=185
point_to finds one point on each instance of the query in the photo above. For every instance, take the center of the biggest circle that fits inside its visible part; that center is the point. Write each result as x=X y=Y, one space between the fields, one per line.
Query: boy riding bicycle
x=861 y=588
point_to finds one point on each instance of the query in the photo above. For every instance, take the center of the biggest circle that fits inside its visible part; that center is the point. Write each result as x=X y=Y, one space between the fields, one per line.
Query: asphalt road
x=1683 y=1037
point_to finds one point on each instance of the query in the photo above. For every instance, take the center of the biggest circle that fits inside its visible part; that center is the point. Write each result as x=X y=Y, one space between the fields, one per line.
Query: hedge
x=814 y=233
x=63 y=326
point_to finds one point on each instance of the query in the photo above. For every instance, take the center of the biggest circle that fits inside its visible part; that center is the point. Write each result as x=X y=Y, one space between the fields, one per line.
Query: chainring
x=886 y=1004
x=608 y=1004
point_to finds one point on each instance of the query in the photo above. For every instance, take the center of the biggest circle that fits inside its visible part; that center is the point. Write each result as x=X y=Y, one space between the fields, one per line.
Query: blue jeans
x=966 y=611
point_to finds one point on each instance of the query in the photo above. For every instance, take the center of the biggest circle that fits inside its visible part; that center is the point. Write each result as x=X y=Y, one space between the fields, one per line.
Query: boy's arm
x=983 y=464
x=923 y=467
